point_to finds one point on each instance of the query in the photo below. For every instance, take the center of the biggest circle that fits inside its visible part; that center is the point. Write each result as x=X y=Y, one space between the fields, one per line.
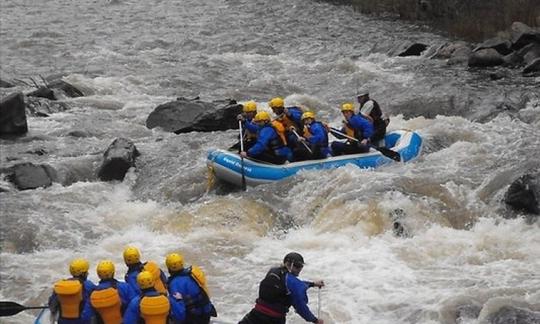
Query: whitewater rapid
x=128 y=57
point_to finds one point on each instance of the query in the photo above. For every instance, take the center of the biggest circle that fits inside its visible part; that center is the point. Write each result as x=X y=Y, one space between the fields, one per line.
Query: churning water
x=129 y=56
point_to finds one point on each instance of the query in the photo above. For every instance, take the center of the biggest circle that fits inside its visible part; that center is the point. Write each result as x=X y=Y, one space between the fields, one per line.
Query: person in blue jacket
x=132 y=258
x=289 y=117
x=192 y=289
x=70 y=295
x=269 y=146
x=314 y=140
x=356 y=127
x=249 y=128
x=110 y=298
x=280 y=289
x=152 y=307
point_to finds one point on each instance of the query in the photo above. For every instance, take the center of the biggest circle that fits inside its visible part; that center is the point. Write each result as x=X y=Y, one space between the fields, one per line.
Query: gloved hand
x=240 y=117
x=318 y=283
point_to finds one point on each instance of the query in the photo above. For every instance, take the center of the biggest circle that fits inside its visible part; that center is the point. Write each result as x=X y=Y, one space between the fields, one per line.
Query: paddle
x=244 y=187
x=384 y=151
x=8 y=308
x=305 y=145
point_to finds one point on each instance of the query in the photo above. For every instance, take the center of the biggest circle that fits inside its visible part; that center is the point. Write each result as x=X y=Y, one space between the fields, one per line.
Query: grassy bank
x=468 y=19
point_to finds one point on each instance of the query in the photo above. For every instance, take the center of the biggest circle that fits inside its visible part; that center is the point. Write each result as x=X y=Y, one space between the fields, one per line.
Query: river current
x=129 y=56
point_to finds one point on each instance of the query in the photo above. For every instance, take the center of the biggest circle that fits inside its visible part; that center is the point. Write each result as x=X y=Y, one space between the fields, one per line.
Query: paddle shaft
x=305 y=145
x=11 y=308
x=241 y=157
x=384 y=151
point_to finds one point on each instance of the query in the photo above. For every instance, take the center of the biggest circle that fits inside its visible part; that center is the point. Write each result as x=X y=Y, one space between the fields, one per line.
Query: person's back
x=314 y=140
x=358 y=129
x=110 y=298
x=70 y=295
x=269 y=146
x=182 y=280
x=132 y=259
x=152 y=307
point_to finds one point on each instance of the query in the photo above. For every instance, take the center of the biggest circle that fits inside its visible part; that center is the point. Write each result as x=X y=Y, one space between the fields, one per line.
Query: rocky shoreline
x=471 y=20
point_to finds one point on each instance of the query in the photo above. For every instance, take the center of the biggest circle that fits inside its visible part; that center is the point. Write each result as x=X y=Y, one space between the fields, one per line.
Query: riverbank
x=472 y=20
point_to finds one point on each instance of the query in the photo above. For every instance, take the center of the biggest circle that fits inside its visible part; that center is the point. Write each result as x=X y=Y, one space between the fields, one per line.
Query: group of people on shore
x=148 y=296
x=295 y=134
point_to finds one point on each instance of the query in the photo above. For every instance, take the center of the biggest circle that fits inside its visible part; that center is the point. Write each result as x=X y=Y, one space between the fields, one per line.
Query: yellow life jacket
x=280 y=129
x=108 y=305
x=155 y=309
x=198 y=275
x=70 y=296
x=349 y=131
x=153 y=268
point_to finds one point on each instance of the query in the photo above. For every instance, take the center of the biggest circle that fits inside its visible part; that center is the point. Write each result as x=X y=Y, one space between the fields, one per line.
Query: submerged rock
x=30 y=176
x=485 y=57
x=514 y=315
x=6 y=84
x=523 y=193
x=119 y=157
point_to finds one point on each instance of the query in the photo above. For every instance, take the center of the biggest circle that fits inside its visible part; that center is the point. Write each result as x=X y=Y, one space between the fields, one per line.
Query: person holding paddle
x=355 y=126
x=314 y=139
x=70 y=295
x=279 y=290
x=249 y=134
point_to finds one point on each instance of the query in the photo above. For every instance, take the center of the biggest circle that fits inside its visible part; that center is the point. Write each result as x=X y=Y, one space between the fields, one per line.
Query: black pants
x=256 y=317
x=270 y=157
x=301 y=153
x=197 y=319
x=339 y=148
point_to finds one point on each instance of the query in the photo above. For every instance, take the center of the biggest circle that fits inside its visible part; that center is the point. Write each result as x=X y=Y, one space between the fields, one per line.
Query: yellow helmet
x=132 y=255
x=276 y=103
x=78 y=267
x=261 y=116
x=145 y=280
x=105 y=269
x=347 y=107
x=308 y=114
x=249 y=106
x=174 y=262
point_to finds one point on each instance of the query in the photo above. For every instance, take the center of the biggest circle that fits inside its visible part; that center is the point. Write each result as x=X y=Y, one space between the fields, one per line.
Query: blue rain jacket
x=133 y=272
x=266 y=135
x=298 y=297
x=192 y=294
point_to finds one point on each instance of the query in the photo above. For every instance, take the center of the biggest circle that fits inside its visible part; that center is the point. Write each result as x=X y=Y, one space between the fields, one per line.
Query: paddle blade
x=10 y=308
x=389 y=153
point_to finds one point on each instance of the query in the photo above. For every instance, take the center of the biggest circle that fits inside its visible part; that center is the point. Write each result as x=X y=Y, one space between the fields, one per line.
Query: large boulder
x=485 y=58
x=522 y=35
x=183 y=116
x=6 y=84
x=30 y=176
x=66 y=89
x=514 y=315
x=119 y=157
x=413 y=50
x=13 y=115
x=533 y=67
x=42 y=92
x=501 y=45
x=448 y=50
x=523 y=194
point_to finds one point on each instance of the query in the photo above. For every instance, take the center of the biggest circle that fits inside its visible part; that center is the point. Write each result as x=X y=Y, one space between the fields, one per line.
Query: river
x=130 y=56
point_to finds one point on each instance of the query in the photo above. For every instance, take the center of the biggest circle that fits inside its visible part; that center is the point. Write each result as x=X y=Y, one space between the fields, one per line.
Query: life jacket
x=273 y=293
x=307 y=133
x=154 y=309
x=280 y=130
x=201 y=300
x=280 y=140
x=153 y=268
x=379 y=124
x=108 y=304
x=70 y=297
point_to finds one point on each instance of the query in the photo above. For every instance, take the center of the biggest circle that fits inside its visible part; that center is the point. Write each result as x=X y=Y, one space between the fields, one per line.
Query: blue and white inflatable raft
x=227 y=166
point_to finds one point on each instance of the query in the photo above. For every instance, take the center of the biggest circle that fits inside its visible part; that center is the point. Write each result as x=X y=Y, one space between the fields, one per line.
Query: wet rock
x=447 y=50
x=523 y=35
x=42 y=107
x=513 y=59
x=485 y=58
x=497 y=75
x=530 y=52
x=514 y=315
x=523 y=193
x=13 y=115
x=501 y=45
x=119 y=157
x=6 y=84
x=414 y=50
x=460 y=56
x=30 y=176
x=532 y=68
x=43 y=92
x=183 y=116
x=67 y=89
x=468 y=311
x=78 y=133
